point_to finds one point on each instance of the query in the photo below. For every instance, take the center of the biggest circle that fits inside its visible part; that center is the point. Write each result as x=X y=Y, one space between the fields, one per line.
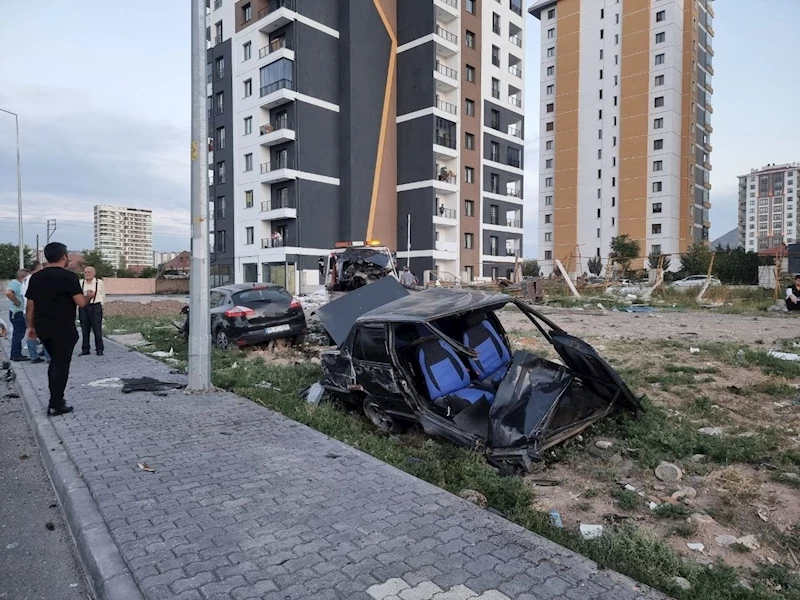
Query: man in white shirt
x=91 y=316
x=33 y=345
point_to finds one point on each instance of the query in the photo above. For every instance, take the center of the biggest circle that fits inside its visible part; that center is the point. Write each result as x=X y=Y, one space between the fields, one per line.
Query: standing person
x=407 y=277
x=53 y=294
x=16 y=313
x=33 y=346
x=793 y=295
x=91 y=315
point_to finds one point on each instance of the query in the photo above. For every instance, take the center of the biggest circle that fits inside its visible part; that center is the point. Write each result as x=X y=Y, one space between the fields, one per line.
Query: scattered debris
x=315 y=393
x=268 y=386
x=701 y=519
x=652 y=505
x=555 y=518
x=332 y=454
x=690 y=492
x=762 y=514
x=148 y=384
x=49 y=525
x=696 y=546
x=682 y=583
x=749 y=541
x=590 y=532
x=112 y=382
x=698 y=458
x=12 y=545
x=604 y=444
x=711 y=430
x=725 y=540
x=145 y=467
x=740 y=357
x=162 y=354
x=783 y=355
x=24 y=457
x=131 y=340
x=669 y=472
x=694 y=350
x=475 y=497
x=629 y=487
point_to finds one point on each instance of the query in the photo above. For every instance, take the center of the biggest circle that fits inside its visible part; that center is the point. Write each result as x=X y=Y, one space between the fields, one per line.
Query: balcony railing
x=512 y=252
x=496 y=94
x=515 y=131
x=208 y=78
x=516 y=40
x=445 y=141
x=453 y=3
x=515 y=6
x=218 y=39
x=282 y=163
x=446 y=213
x=274 y=46
x=272 y=242
x=515 y=70
x=494 y=156
x=514 y=192
x=513 y=223
x=274 y=5
x=217 y=4
x=443 y=33
x=447 y=178
x=496 y=29
x=496 y=61
x=446 y=71
x=446 y=107
x=276 y=203
x=515 y=101
x=282 y=123
x=514 y=162
x=281 y=84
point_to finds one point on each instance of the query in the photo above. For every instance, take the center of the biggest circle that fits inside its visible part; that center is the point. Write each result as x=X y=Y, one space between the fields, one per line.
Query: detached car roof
x=434 y=303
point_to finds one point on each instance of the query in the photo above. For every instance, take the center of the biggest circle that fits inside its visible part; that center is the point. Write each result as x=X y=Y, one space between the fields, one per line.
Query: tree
x=149 y=273
x=695 y=260
x=735 y=266
x=654 y=258
x=94 y=258
x=595 y=265
x=530 y=268
x=9 y=260
x=623 y=251
x=123 y=273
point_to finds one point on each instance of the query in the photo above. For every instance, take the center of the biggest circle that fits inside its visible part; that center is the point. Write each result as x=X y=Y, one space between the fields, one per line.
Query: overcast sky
x=103 y=99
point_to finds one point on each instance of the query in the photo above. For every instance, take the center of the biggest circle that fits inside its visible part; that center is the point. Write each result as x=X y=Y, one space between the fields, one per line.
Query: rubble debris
x=604 y=444
x=162 y=354
x=591 y=532
x=725 y=540
x=268 y=386
x=112 y=382
x=682 y=583
x=711 y=430
x=475 y=497
x=145 y=467
x=783 y=355
x=698 y=458
x=148 y=384
x=131 y=340
x=555 y=518
x=694 y=350
x=668 y=472
x=749 y=541
x=696 y=546
x=315 y=393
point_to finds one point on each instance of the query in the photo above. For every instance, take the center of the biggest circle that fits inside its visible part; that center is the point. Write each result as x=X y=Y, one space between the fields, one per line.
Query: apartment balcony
x=709 y=49
x=446 y=42
x=709 y=128
x=277 y=132
x=515 y=6
x=515 y=101
x=275 y=94
x=446 y=107
x=277 y=171
x=270 y=242
x=446 y=183
x=516 y=40
x=445 y=217
x=710 y=30
x=707 y=185
x=276 y=14
x=446 y=10
x=448 y=250
x=279 y=208
x=515 y=193
x=709 y=107
x=513 y=252
x=709 y=88
x=515 y=223
x=708 y=147
x=710 y=69
x=710 y=9
x=444 y=147
x=275 y=50
x=515 y=71
x=707 y=166
x=517 y=132
x=446 y=78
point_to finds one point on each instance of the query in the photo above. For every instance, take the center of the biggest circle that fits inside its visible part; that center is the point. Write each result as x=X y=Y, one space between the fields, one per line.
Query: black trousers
x=91 y=318
x=60 y=347
x=791 y=305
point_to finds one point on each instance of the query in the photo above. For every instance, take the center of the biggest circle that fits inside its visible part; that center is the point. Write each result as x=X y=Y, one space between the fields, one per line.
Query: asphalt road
x=36 y=562
x=150 y=298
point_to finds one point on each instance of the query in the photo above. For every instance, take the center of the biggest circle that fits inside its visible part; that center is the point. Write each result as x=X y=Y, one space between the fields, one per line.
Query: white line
x=319 y=26
x=415 y=115
x=415 y=43
x=317 y=102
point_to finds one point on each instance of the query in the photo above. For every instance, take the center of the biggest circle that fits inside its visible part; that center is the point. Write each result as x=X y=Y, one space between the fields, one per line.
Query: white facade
x=769 y=200
x=124 y=236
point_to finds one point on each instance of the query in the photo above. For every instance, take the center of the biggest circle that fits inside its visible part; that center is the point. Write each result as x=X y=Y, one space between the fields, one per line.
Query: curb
x=106 y=569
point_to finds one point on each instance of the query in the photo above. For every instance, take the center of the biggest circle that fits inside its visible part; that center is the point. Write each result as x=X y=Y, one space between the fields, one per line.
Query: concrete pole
x=199 y=310
x=19 y=194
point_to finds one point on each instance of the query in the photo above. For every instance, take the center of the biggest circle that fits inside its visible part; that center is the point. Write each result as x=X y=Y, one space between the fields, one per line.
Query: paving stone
x=458 y=592
x=390 y=588
x=423 y=591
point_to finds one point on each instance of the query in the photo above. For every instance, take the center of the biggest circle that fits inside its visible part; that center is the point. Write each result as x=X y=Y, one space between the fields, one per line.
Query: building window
x=496 y=23
x=659 y=59
x=659 y=101
x=469 y=208
x=248 y=125
x=495 y=56
x=247 y=13
x=658 y=123
x=548 y=201
x=655 y=228
x=551 y=14
x=494 y=151
x=248 y=162
x=221 y=171
x=550 y=89
x=551 y=33
x=659 y=80
x=550 y=107
x=469 y=39
x=551 y=70
x=469 y=174
x=548 y=219
x=656 y=207
x=220 y=213
x=494 y=214
x=661 y=38
x=470 y=6
x=247 y=51
x=658 y=144
x=551 y=52
x=548 y=182
x=220 y=103
x=248 y=88
x=548 y=255
x=549 y=126
x=219 y=67
x=601 y=73
x=548 y=145
x=661 y=16
x=548 y=163
x=548 y=236
x=494 y=183
x=248 y=199
x=495 y=120
x=469 y=141
x=470 y=73
x=220 y=241
x=220 y=138
x=602 y=32
x=469 y=240
x=469 y=107
x=250 y=235
x=658 y=165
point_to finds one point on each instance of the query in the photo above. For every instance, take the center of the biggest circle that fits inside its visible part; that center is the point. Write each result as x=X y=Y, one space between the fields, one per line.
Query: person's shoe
x=36 y=361
x=99 y=353
x=20 y=359
x=62 y=410
x=85 y=353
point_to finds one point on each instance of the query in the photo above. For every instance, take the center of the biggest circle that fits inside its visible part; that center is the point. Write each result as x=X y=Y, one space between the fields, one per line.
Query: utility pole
x=51 y=229
x=19 y=194
x=199 y=309
x=36 y=258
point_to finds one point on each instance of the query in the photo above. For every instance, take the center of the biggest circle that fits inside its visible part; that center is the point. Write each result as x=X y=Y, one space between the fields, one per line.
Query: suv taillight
x=240 y=311
x=295 y=303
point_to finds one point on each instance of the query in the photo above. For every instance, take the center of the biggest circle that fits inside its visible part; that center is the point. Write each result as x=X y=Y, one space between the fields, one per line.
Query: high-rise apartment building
x=355 y=120
x=625 y=124
x=769 y=200
x=124 y=236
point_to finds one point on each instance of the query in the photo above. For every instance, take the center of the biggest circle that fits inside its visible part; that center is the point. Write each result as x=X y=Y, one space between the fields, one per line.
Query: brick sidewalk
x=245 y=503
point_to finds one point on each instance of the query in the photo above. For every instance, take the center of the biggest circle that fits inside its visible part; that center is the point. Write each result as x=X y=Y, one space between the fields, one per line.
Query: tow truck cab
x=351 y=265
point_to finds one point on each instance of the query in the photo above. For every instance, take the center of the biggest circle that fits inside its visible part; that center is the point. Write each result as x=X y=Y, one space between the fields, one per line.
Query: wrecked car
x=441 y=358
x=355 y=264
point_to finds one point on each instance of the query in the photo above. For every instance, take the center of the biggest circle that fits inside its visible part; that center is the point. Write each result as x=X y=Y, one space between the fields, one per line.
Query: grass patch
x=671 y=511
x=590 y=493
x=626 y=499
x=625 y=548
x=684 y=529
x=690 y=369
x=775 y=388
x=769 y=365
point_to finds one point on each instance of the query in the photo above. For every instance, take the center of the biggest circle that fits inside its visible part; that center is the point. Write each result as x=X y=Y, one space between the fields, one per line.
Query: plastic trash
x=694 y=350
x=315 y=393
x=784 y=355
x=555 y=518
x=590 y=532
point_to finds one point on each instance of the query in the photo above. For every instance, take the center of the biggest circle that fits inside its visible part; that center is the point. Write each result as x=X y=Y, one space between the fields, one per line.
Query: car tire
x=221 y=339
x=298 y=340
x=383 y=421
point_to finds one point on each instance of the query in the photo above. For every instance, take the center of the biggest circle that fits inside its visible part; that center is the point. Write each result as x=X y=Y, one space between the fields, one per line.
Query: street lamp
x=19 y=192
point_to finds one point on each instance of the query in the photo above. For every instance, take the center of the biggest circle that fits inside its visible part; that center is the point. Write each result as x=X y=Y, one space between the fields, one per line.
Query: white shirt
x=97 y=287
x=24 y=289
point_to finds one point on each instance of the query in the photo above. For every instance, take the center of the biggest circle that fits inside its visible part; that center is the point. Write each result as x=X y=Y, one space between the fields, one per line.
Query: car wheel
x=221 y=339
x=382 y=420
x=298 y=340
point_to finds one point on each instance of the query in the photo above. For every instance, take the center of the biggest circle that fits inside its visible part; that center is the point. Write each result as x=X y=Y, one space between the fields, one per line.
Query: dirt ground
x=155 y=308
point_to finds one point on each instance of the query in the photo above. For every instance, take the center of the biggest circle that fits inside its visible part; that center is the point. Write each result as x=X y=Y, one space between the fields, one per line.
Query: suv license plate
x=276 y=329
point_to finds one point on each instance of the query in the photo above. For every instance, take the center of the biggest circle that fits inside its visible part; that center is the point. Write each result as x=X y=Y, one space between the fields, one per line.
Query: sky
x=103 y=97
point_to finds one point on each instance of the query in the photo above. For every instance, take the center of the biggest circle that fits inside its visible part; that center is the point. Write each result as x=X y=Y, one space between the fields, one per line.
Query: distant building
x=159 y=258
x=729 y=239
x=180 y=263
x=768 y=203
x=124 y=236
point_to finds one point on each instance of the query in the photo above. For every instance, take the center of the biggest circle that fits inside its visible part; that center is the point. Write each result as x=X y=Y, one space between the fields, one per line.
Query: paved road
x=36 y=563
x=245 y=503
x=150 y=298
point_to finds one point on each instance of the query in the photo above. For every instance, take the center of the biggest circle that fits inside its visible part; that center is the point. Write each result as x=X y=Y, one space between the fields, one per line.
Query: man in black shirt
x=53 y=295
x=793 y=295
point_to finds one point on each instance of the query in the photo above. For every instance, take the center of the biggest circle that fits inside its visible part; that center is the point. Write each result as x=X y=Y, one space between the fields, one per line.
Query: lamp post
x=19 y=191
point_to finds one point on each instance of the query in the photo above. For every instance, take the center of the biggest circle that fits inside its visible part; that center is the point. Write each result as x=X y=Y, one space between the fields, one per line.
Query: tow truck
x=352 y=265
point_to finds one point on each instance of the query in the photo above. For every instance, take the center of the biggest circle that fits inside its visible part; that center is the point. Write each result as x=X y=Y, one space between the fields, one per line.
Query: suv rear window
x=262 y=296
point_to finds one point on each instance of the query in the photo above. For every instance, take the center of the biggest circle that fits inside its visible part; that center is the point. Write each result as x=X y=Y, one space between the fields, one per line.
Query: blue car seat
x=446 y=376
x=493 y=354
